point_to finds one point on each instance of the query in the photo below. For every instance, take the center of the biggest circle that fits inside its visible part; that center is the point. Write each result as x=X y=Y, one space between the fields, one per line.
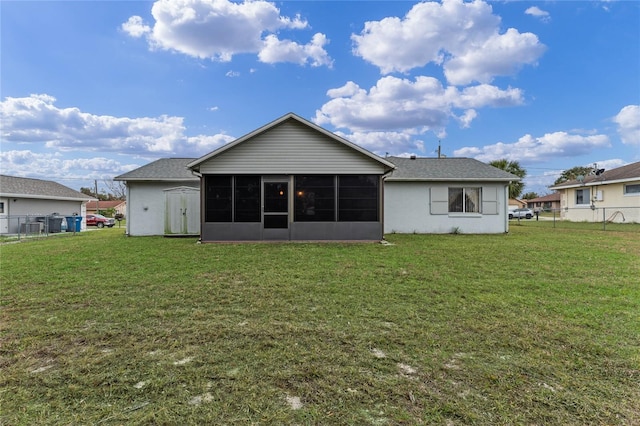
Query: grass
x=541 y=326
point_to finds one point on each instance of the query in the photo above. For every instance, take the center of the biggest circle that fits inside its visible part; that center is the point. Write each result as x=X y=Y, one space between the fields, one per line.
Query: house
x=291 y=180
x=603 y=195
x=26 y=205
x=163 y=198
x=547 y=202
x=516 y=203
x=119 y=206
x=444 y=195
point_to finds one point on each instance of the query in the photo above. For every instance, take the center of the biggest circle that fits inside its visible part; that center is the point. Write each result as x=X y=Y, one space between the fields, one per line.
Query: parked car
x=521 y=213
x=100 y=221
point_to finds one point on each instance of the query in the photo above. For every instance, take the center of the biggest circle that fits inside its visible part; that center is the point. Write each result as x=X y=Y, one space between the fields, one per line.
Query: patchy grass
x=541 y=326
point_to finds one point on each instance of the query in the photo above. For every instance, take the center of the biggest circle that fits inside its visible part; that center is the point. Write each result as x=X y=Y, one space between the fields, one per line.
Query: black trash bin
x=55 y=224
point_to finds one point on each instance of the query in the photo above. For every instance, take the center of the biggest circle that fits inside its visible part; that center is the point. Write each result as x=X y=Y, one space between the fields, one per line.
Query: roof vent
x=413 y=157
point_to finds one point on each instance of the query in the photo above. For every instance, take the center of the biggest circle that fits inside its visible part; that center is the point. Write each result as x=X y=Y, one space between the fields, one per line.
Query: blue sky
x=91 y=90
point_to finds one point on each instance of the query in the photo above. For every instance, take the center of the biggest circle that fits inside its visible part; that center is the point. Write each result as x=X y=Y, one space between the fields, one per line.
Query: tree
x=572 y=174
x=117 y=189
x=513 y=167
x=530 y=196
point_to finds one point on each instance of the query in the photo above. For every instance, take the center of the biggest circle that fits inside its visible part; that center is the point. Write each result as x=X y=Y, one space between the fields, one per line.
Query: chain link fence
x=595 y=218
x=35 y=226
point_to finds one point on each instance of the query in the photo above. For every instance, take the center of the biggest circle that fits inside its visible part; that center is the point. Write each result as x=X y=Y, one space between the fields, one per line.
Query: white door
x=4 y=216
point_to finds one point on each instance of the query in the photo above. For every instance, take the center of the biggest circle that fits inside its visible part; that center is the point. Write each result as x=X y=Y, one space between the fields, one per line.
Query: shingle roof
x=91 y=205
x=624 y=173
x=11 y=186
x=545 y=198
x=162 y=169
x=446 y=169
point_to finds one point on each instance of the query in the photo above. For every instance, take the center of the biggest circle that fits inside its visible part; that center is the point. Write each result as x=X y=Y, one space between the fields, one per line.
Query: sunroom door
x=275 y=216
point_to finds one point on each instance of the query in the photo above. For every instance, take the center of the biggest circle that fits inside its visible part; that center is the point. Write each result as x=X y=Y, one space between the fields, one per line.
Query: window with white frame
x=465 y=200
x=582 y=196
x=632 y=189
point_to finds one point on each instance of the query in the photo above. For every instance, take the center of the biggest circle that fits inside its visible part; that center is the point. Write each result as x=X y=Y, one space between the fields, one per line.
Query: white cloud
x=400 y=104
x=464 y=38
x=46 y=165
x=275 y=50
x=500 y=54
x=135 y=27
x=529 y=149
x=36 y=119
x=628 y=120
x=219 y=29
x=543 y=15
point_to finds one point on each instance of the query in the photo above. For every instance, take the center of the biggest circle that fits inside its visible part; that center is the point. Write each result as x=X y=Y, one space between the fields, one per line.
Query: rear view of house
x=291 y=180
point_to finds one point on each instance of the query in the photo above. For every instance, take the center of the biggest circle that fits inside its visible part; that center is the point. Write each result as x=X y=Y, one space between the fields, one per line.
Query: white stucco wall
x=407 y=210
x=146 y=206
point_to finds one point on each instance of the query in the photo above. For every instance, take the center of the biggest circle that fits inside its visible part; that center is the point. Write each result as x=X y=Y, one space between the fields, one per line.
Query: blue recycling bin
x=71 y=227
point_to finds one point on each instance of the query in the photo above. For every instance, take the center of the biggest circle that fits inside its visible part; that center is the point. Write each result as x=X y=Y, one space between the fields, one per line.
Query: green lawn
x=540 y=326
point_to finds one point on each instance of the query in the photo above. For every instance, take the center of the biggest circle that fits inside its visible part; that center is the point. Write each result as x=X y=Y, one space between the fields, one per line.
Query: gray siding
x=291 y=148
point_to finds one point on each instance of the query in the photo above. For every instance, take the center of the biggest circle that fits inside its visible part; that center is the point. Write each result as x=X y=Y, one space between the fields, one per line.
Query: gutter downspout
x=382 y=179
x=199 y=176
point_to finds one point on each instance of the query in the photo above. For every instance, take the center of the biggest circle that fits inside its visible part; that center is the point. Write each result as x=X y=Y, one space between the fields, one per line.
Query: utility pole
x=95 y=183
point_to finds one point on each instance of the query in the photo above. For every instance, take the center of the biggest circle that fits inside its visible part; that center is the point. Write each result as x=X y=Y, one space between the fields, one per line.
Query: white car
x=521 y=213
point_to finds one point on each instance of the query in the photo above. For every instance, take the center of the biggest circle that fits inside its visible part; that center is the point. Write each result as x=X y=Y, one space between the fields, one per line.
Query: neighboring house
x=118 y=206
x=515 y=203
x=163 y=198
x=546 y=202
x=26 y=200
x=291 y=180
x=444 y=195
x=612 y=195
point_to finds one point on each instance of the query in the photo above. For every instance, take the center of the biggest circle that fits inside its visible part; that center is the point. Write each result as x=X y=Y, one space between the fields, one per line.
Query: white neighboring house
x=445 y=195
x=26 y=200
x=611 y=195
x=163 y=198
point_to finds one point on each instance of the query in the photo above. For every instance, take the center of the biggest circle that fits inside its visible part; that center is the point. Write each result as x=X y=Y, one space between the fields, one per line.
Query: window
x=632 y=189
x=315 y=199
x=358 y=198
x=582 y=196
x=247 y=199
x=218 y=198
x=465 y=200
x=1 y=207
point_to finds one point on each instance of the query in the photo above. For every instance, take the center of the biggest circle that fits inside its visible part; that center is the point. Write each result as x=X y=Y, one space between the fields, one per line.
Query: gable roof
x=290 y=116
x=446 y=169
x=545 y=198
x=111 y=204
x=19 y=187
x=164 y=169
x=627 y=173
